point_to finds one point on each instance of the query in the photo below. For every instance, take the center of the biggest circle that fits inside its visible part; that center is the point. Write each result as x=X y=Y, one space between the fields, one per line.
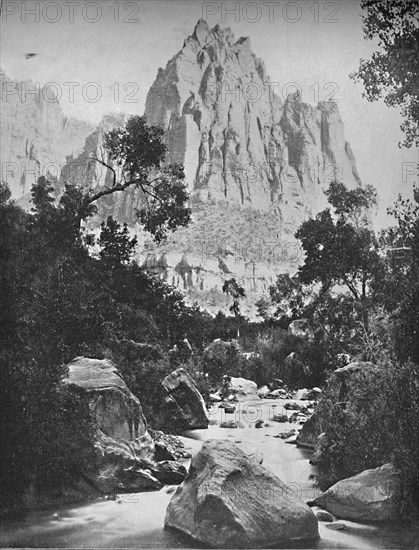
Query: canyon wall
x=256 y=165
x=36 y=137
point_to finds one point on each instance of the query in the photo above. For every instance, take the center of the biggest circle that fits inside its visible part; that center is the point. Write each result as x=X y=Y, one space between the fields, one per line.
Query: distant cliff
x=36 y=137
x=256 y=165
x=239 y=142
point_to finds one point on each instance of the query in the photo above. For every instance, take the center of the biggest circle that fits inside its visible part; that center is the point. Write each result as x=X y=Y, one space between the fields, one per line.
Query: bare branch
x=108 y=191
x=107 y=166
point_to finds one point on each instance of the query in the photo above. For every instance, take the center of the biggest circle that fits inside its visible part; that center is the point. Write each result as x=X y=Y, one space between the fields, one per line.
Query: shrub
x=371 y=419
x=222 y=358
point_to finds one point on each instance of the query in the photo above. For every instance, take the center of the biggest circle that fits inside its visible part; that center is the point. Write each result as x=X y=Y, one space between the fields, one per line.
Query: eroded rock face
x=184 y=401
x=371 y=495
x=123 y=443
x=36 y=137
x=239 y=141
x=229 y=501
x=256 y=165
x=117 y=411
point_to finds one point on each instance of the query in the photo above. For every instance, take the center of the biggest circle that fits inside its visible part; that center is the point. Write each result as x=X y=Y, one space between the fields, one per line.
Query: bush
x=221 y=358
x=47 y=431
x=370 y=420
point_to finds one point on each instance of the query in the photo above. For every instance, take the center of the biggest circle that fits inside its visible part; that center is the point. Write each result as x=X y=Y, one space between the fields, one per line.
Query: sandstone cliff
x=256 y=166
x=36 y=136
x=240 y=143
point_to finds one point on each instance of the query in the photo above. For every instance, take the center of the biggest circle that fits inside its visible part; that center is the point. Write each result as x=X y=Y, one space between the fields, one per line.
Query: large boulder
x=185 y=403
x=372 y=495
x=309 y=433
x=242 y=389
x=121 y=425
x=229 y=501
x=122 y=441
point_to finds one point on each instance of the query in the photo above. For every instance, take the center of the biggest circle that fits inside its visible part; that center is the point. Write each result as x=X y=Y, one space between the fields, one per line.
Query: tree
x=58 y=225
x=116 y=245
x=237 y=292
x=393 y=72
x=289 y=296
x=135 y=155
x=341 y=249
x=398 y=290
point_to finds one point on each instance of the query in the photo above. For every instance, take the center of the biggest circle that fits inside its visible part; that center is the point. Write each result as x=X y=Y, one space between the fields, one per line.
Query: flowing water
x=136 y=520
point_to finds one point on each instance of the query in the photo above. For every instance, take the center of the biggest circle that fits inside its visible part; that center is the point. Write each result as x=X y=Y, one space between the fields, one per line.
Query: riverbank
x=136 y=520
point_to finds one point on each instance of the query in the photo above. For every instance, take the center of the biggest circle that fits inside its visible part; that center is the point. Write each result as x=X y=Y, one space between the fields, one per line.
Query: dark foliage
x=392 y=72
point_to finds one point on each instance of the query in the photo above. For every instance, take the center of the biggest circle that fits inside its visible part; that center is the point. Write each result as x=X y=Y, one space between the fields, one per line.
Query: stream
x=136 y=520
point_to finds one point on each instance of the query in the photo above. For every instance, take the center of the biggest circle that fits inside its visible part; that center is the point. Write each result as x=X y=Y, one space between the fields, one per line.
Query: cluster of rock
x=228 y=500
x=129 y=456
x=222 y=501
x=371 y=495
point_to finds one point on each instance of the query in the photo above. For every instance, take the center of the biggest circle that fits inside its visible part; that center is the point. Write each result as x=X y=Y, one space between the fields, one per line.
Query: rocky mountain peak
x=256 y=164
x=239 y=142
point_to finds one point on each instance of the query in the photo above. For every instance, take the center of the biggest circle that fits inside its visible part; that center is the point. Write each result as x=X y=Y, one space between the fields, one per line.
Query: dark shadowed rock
x=292 y=406
x=286 y=435
x=185 y=402
x=134 y=479
x=169 y=472
x=228 y=408
x=280 y=418
x=321 y=445
x=229 y=501
x=309 y=433
x=167 y=447
x=229 y=424
x=371 y=495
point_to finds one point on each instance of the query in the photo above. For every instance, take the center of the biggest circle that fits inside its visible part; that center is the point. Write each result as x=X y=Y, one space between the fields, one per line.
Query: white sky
x=119 y=45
